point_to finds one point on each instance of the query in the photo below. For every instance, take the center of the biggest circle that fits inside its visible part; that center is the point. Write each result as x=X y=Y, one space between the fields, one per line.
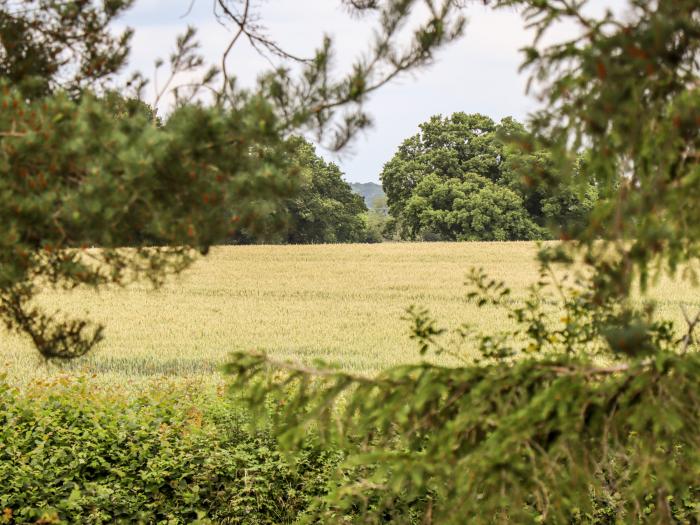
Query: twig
x=13 y=134
x=689 y=337
x=569 y=370
x=255 y=38
x=320 y=372
x=189 y=9
x=241 y=26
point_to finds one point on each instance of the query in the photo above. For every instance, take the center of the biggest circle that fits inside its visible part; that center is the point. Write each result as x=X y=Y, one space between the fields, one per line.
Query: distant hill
x=368 y=190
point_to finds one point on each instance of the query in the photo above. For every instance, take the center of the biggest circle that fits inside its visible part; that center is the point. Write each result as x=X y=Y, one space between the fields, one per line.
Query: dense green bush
x=71 y=454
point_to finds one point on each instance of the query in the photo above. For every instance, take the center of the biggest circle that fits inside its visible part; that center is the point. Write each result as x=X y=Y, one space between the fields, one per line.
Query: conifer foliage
x=85 y=164
x=586 y=412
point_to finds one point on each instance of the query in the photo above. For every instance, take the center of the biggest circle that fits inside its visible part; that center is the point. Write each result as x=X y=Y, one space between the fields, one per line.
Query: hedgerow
x=71 y=454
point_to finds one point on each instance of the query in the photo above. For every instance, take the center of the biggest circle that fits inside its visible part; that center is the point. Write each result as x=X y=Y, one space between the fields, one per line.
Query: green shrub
x=71 y=454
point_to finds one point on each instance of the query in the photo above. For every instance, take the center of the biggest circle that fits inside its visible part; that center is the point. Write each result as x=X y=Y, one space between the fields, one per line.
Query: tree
x=586 y=412
x=560 y=203
x=471 y=208
x=326 y=209
x=463 y=146
x=323 y=210
x=75 y=177
x=51 y=45
x=145 y=193
x=447 y=147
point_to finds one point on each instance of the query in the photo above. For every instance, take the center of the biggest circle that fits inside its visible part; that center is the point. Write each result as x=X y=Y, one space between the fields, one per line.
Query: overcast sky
x=477 y=74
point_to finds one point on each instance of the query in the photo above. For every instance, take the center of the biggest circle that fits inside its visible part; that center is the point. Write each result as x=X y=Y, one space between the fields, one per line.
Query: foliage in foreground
x=591 y=394
x=569 y=418
x=69 y=454
x=78 y=168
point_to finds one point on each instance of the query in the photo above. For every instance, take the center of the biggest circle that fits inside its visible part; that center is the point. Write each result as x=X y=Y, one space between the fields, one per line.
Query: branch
x=322 y=372
x=13 y=134
x=689 y=337
x=242 y=21
x=241 y=26
x=593 y=371
x=560 y=370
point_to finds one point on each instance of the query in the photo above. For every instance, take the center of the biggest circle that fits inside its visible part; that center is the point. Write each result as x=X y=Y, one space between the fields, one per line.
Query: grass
x=340 y=303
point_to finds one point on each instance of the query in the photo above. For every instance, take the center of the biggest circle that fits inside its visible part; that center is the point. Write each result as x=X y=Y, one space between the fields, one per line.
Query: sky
x=478 y=74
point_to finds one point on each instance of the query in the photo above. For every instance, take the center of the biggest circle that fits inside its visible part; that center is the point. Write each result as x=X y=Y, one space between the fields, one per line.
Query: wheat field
x=342 y=304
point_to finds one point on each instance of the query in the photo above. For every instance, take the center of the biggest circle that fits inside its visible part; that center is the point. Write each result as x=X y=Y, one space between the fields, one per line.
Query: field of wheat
x=340 y=303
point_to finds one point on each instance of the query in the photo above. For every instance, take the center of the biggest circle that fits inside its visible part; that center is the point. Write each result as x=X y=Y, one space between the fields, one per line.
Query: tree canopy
x=324 y=209
x=469 y=208
x=430 y=179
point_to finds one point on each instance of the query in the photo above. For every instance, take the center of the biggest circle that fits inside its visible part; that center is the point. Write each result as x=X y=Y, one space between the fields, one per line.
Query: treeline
x=460 y=178
x=324 y=209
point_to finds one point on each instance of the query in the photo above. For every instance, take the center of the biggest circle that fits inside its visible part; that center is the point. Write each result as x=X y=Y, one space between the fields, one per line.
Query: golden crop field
x=340 y=303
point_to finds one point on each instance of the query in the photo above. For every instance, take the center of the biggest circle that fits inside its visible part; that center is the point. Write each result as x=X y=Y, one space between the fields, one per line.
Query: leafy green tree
x=447 y=147
x=49 y=45
x=470 y=208
x=586 y=411
x=145 y=193
x=627 y=91
x=75 y=177
x=562 y=205
x=325 y=210
x=463 y=146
